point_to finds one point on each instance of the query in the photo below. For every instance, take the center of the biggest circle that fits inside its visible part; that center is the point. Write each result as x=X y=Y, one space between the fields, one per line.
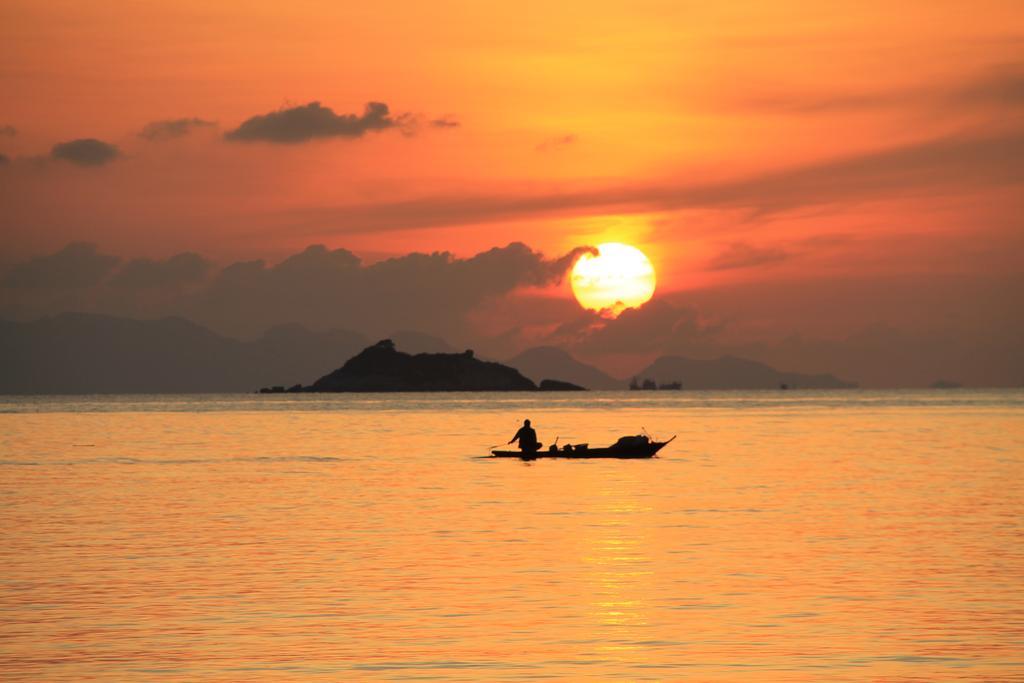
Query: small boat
x=626 y=448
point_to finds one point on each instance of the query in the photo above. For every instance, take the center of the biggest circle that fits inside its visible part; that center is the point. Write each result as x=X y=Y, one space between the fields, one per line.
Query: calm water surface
x=800 y=536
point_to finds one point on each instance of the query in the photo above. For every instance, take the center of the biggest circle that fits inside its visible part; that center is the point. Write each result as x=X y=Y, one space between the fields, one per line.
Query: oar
x=489 y=448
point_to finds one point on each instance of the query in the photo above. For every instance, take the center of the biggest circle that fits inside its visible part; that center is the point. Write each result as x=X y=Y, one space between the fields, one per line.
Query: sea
x=782 y=536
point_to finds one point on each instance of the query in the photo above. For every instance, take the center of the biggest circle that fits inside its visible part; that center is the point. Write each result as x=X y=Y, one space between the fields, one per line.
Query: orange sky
x=735 y=143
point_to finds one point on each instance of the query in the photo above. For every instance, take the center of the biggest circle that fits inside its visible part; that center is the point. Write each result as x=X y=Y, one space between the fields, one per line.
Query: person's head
x=526 y=423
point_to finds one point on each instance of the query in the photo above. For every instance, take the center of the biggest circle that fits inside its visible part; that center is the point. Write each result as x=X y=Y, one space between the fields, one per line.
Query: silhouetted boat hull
x=637 y=452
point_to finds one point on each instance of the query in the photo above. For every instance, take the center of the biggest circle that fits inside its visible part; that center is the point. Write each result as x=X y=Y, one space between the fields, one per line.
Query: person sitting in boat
x=527 y=438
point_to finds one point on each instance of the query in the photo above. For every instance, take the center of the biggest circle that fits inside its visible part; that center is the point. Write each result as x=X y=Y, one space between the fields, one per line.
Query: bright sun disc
x=618 y=277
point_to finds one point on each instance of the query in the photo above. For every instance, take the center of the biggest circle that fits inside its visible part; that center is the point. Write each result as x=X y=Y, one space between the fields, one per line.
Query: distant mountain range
x=411 y=341
x=549 y=361
x=79 y=353
x=730 y=372
x=727 y=372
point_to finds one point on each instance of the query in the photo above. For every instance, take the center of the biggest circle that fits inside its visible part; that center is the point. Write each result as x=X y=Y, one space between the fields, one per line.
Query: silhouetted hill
x=730 y=372
x=548 y=361
x=382 y=368
x=78 y=353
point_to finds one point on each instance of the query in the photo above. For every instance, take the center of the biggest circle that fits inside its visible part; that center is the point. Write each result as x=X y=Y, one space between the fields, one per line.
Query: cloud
x=956 y=163
x=657 y=326
x=323 y=288
x=555 y=143
x=445 y=122
x=826 y=240
x=8 y=131
x=1000 y=86
x=313 y=120
x=78 y=265
x=175 y=271
x=318 y=287
x=743 y=255
x=85 y=152
x=172 y=128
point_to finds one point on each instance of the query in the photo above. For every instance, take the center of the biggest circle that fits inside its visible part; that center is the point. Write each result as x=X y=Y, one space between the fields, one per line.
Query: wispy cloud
x=1000 y=86
x=555 y=143
x=743 y=255
x=445 y=122
x=960 y=163
x=172 y=128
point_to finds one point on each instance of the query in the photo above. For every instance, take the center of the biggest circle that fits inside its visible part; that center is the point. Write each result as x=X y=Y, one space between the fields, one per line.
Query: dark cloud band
x=77 y=266
x=318 y=287
x=139 y=274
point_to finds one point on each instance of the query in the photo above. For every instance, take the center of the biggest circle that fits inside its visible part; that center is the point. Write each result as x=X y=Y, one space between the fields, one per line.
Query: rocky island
x=559 y=385
x=382 y=367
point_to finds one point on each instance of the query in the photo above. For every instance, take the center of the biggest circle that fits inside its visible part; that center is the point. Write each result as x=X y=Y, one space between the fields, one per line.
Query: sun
x=617 y=277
